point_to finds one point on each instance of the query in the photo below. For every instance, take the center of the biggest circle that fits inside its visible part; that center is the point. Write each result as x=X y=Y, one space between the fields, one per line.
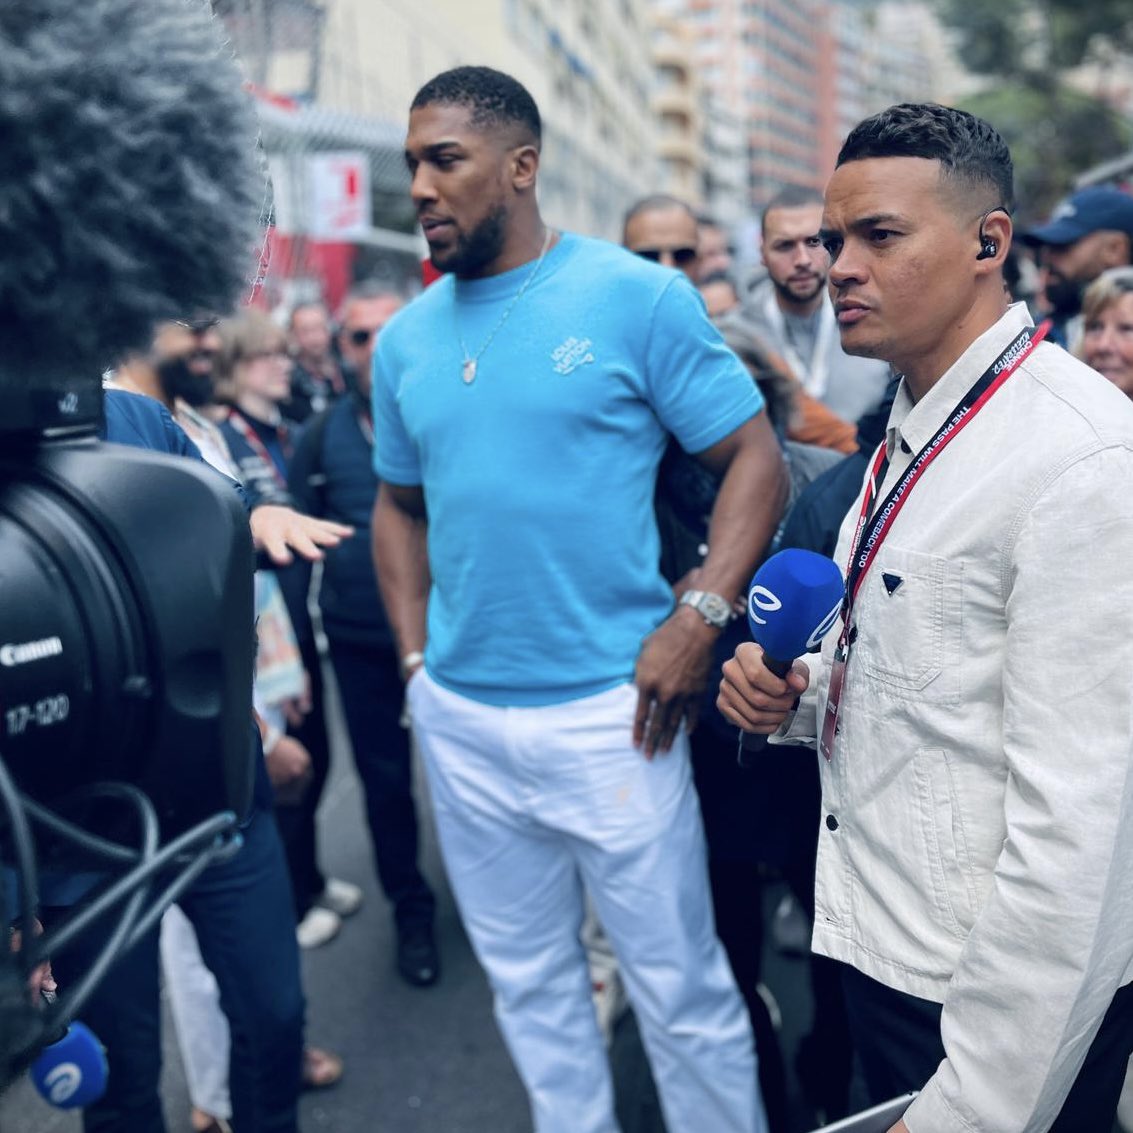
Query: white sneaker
x=318 y=927
x=341 y=897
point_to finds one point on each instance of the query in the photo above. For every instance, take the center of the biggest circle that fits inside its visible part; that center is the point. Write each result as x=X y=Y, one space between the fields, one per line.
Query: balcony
x=671 y=52
x=676 y=102
x=680 y=150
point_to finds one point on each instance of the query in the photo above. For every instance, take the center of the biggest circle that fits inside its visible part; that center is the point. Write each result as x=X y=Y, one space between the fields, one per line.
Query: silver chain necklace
x=468 y=366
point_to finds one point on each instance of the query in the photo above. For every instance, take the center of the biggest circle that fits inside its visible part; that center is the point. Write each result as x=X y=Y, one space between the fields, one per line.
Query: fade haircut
x=655 y=202
x=972 y=154
x=790 y=197
x=495 y=100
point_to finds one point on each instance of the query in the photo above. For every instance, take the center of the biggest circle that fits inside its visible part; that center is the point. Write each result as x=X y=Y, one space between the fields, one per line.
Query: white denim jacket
x=976 y=846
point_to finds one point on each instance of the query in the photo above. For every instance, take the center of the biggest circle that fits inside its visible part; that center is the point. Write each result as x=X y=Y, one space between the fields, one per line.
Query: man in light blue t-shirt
x=521 y=407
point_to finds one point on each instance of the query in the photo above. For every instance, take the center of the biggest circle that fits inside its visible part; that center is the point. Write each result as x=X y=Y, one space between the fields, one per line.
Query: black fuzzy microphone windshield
x=130 y=184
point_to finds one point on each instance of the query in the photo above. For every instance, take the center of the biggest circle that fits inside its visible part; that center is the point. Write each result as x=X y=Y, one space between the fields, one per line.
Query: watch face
x=715 y=609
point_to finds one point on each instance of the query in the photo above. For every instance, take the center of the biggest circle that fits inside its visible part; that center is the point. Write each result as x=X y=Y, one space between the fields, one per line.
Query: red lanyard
x=874 y=526
x=249 y=434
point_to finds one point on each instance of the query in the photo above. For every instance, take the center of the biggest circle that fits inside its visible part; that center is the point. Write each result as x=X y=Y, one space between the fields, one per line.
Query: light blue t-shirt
x=539 y=475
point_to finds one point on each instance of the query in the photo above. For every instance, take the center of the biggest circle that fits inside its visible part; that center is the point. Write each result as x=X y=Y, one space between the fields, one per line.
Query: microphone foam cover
x=793 y=602
x=72 y=1072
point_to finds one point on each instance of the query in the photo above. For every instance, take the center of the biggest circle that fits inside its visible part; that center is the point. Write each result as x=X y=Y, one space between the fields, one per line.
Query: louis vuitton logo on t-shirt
x=574 y=352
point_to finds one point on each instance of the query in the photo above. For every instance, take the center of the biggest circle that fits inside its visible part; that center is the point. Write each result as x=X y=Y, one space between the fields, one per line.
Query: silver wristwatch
x=714 y=609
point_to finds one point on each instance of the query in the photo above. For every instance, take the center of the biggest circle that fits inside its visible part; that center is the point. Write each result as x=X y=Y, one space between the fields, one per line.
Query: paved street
x=417 y=1061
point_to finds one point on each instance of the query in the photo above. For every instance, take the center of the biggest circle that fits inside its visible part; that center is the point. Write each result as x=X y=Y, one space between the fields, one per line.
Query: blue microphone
x=792 y=604
x=72 y=1072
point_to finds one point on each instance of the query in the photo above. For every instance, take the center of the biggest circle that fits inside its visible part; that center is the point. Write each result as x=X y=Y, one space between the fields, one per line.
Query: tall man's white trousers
x=534 y=804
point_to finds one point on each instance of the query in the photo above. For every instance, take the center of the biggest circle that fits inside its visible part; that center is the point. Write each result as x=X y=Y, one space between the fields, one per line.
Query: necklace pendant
x=468 y=371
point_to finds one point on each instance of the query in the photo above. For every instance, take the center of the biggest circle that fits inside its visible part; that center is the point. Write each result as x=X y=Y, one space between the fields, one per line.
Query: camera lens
x=72 y=658
x=126 y=637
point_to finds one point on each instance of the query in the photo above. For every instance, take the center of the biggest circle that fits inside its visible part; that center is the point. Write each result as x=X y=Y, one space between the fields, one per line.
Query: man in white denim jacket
x=975 y=867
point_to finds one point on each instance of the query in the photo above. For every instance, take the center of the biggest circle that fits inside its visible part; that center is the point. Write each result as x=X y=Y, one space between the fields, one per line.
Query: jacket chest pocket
x=909 y=623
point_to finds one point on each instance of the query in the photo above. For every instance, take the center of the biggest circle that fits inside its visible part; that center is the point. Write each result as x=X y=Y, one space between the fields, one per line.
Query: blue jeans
x=243 y=915
x=296 y=821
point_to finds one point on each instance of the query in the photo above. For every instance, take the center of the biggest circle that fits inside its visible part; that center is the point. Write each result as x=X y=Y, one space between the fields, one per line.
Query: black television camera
x=126 y=655
x=126 y=640
x=130 y=191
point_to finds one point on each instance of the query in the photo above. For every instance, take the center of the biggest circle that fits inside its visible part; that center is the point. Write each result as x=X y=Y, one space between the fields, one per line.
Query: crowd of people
x=524 y=508
x=242 y=389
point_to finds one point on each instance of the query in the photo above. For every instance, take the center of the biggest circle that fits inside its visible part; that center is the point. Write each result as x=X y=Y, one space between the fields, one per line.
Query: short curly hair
x=130 y=187
x=495 y=99
x=970 y=150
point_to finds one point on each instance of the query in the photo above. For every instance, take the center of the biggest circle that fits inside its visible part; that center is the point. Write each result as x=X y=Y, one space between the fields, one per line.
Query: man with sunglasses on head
x=663 y=229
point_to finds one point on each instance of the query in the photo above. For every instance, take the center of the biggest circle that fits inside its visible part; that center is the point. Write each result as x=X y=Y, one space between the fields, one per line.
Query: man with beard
x=973 y=706
x=528 y=396
x=792 y=312
x=178 y=372
x=92 y=260
x=1087 y=234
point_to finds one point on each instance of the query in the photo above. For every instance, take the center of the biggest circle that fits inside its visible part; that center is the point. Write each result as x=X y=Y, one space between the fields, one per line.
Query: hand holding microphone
x=793 y=602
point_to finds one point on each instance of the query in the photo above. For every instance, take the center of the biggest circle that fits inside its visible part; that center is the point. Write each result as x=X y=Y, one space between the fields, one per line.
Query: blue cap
x=1098 y=208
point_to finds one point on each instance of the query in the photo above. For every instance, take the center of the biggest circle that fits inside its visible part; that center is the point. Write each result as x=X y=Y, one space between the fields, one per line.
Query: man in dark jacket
x=332 y=476
x=241 y=910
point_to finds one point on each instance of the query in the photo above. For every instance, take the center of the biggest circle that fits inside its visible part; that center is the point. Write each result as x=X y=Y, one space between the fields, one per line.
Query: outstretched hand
x=277 y=531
